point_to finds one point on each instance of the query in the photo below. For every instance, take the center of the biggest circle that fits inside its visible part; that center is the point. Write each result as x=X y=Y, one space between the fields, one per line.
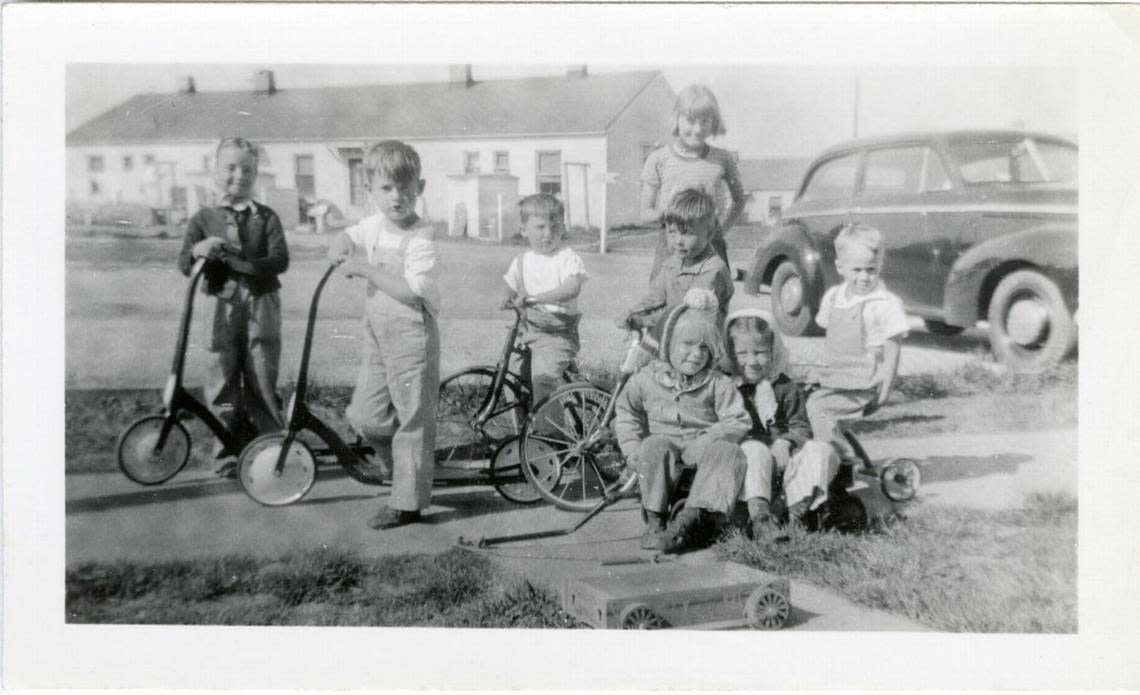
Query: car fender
x=790 y=240
x=1050 y=249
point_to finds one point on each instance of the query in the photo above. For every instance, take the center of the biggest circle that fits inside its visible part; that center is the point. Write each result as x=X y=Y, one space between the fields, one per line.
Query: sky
x=768 y=110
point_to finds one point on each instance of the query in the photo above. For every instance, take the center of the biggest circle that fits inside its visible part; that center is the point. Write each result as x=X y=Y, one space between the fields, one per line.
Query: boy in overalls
x=546 y=281
x=394 y=403
x=245 y=245
x=865 y=325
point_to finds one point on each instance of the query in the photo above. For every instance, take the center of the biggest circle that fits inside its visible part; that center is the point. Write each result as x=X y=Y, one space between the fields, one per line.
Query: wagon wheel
x=638 y=616
x=900 y=479
x=767 y=608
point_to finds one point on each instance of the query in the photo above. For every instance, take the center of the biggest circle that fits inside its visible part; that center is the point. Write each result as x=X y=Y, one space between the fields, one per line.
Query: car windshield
x=1015 y=160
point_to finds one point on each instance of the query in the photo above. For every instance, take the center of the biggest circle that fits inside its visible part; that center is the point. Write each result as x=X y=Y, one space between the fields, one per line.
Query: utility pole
x=855 y=111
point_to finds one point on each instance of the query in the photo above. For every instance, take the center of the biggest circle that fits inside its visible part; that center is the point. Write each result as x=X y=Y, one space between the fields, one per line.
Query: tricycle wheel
x=638 y=616
x=900 y=479
x=767 y=608
x=507 y=474
x=259 y=477
x=142 y=460
x=571 y=455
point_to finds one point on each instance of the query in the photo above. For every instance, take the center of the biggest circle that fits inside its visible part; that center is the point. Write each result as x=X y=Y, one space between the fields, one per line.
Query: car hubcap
x=792 y=294
x=1026 y=321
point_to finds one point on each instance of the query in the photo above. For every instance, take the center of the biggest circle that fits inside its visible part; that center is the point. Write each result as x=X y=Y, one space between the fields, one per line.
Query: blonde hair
x=238 y=144
x=697 y=102
x=393 y=159
x=857 y=234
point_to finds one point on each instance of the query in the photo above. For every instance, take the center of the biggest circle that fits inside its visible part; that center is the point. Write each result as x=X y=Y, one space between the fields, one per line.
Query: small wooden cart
x=711 y=596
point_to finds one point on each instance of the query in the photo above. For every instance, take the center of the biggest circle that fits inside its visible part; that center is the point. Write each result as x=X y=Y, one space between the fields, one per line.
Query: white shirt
x=421 y=268
x=883 y=318
x=545 y=273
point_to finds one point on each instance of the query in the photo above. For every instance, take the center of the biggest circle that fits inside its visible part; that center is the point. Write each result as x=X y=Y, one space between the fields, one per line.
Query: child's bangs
x=700 y=105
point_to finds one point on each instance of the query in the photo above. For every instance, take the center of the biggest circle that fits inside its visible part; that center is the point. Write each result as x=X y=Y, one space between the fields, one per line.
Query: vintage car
x=978 y=225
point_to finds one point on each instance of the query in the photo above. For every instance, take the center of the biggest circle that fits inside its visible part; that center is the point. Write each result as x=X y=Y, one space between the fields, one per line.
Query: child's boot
x=682 y=531
x=654 y=525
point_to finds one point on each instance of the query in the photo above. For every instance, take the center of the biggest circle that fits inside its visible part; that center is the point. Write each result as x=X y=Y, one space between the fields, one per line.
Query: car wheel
x=1030 y=326
x=940 y=328
x=792 y=307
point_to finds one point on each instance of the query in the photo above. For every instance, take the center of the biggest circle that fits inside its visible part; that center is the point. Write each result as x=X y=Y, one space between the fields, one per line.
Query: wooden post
x=604 y=222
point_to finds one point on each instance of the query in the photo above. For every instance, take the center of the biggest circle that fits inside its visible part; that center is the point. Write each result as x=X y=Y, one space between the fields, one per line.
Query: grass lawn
x=457 y=588
x=953 y=569
x=971 y=399
x=959 y=570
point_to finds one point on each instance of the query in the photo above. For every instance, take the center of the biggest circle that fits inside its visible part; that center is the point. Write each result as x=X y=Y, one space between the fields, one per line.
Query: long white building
x=581 y=136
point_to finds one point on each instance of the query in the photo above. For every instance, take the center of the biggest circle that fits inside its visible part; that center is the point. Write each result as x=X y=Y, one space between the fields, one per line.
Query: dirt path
x=108 y=517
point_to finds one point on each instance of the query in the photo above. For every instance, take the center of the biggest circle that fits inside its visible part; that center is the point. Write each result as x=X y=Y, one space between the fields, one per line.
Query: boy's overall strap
x=522 y=274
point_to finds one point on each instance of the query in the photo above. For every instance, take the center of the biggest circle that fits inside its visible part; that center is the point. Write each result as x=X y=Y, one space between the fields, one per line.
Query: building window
x=94 y=187
x=205 y=162
x=502 y=163
x=95 y=164
x=128 y=162
x=775 y=206
x=549 y=170
x=178 y=197
x=470 y=162
x=356 y=193
x=148 y=159
x=304 y=178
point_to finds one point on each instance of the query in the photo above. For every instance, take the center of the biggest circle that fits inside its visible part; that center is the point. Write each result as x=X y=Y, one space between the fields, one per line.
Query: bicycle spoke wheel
x=142 y=460
x=572 y=458
x=460 y=442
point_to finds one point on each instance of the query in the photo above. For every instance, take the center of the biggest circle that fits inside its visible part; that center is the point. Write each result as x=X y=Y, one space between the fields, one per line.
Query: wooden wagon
x=708 y=596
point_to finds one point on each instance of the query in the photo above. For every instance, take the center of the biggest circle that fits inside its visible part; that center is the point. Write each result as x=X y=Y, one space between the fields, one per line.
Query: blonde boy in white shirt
x=546 y=281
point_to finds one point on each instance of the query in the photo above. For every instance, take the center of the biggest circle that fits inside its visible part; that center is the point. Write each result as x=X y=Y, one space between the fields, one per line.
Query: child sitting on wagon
x=780 y=440
x=680 y=407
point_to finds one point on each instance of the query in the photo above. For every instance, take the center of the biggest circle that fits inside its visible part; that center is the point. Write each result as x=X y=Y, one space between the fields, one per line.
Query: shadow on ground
x=949 y=468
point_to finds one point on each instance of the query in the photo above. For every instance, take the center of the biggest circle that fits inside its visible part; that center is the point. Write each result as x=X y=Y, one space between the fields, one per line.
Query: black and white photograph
x=536 y=343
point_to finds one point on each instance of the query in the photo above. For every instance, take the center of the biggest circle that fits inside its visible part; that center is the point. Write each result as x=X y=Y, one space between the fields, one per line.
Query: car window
x=1020 y=160
x=935 y=178
x=893 y=170
x=832 y=180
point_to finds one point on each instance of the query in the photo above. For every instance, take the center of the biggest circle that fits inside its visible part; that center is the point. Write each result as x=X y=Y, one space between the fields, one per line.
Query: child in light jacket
x=680 y=411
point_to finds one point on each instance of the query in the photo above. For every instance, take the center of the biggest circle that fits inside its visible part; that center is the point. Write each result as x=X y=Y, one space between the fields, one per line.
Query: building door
x=577 y=194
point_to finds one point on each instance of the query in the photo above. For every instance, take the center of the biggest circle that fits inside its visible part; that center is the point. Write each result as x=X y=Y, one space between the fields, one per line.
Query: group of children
x=713 y=393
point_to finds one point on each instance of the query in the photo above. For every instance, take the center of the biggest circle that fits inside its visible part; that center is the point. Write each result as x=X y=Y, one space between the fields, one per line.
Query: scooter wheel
x=900 y=479
x=142 y=460
x=260 y=478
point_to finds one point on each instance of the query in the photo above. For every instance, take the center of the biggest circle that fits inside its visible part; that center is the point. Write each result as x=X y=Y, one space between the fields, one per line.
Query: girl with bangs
x=689 y=162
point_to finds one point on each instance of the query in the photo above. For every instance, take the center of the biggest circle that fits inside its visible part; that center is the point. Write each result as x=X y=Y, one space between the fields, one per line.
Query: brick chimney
x=460 y=75
x=577 y=71
x=265 y=82
x=186 y=85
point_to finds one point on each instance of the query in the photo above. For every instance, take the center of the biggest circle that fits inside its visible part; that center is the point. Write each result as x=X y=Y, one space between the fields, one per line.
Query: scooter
x=279 y=468
x=154 y=448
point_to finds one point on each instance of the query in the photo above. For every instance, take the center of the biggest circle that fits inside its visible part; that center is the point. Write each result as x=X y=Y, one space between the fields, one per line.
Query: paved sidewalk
x=109 y=517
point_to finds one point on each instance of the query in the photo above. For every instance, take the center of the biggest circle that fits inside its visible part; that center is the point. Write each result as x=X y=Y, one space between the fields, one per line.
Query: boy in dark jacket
x=780 y=440
x=245 y=245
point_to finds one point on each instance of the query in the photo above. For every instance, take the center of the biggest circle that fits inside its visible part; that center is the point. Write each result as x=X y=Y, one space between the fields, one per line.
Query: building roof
x=571 y=104
x=773 y=174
